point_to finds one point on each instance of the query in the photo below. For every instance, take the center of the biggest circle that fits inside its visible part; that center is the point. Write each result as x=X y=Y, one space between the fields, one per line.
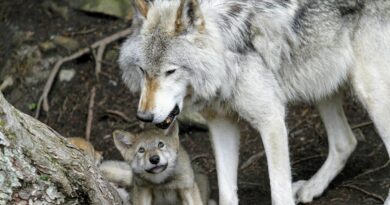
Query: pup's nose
x=155 y=159
x=145 y=116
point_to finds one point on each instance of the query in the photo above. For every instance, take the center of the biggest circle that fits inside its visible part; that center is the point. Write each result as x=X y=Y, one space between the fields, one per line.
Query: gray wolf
x=162 y=170
x=248 y=59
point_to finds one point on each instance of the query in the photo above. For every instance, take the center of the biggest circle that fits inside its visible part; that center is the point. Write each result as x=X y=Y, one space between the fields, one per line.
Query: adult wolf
x=247 y=59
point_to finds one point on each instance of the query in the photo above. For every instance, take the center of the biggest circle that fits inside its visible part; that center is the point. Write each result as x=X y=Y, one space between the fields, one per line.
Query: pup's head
x=170 y=53
x=150 y=152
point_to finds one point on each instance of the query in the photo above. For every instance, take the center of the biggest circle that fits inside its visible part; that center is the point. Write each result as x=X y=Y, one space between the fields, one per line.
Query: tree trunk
x=38 y=166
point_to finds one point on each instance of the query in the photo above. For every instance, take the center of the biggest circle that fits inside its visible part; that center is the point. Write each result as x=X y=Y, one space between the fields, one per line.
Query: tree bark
x=38 y=166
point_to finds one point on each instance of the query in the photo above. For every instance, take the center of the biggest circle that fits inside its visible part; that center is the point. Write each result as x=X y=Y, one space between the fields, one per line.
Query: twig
x=364 y=124
x=99 y=59
x=90 y=113
x=119 y=114
x=372 y=170
x=199 y=156
x=83 y=32
x=373 y=195
x=308 y=158
x=49 y=83
x=251 y=159
x=249 y=183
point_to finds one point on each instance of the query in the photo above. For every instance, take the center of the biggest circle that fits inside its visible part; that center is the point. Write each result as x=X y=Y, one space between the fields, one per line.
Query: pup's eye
x=169 y=72
x=161 y=145
x=142 y=70
x=141 y=150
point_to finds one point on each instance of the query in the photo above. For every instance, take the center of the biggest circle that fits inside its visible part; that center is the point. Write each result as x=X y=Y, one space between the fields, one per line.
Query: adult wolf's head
x=171 y=52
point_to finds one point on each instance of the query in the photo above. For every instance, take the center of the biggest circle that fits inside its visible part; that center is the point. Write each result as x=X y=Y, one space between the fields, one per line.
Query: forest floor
x=26 y=25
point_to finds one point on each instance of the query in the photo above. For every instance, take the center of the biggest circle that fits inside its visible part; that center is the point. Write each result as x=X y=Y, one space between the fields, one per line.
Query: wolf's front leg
x=191 y=196
x=260 y=106
x=275 y=140
x=225 y=138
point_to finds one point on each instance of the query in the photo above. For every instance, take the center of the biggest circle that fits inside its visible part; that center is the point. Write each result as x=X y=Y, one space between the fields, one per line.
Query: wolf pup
x=162 y=169
x=120 y=175
x=87 y=148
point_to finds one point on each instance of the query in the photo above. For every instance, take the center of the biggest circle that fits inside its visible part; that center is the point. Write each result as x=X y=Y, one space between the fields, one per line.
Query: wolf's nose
x=145 y=116
x=155 y=159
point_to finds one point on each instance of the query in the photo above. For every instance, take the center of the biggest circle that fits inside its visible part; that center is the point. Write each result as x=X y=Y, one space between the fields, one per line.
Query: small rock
x=23 y=194
x=113 y=83
x=67 y=75
x=47 y=46
x=117 y=8
x=52 y=7
x=9 y=81
x=67 y=43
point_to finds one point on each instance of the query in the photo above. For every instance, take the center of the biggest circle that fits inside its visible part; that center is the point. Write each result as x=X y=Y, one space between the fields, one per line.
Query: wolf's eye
x=141 y=150
x=169 y=72
x=161 y=145
x=142 y=70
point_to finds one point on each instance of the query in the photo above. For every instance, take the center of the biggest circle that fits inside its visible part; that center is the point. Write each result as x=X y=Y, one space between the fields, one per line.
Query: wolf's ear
x=189 y=16
x=173 y=130
x=142 y=7
x=123 y=140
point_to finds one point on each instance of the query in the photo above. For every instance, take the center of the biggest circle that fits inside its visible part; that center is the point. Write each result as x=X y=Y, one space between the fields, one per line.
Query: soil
x=69 y=108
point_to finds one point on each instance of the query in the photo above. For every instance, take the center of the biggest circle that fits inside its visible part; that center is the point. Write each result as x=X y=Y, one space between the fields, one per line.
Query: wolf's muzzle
x=171 y=117
x=145 y=116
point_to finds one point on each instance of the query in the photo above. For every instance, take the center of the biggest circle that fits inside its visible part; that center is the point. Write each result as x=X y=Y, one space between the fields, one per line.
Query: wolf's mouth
x=171 y=117
x=157 y=169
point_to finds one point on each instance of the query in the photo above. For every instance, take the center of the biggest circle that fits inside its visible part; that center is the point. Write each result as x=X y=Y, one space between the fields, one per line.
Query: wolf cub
x=162 y=170
x=87 y=148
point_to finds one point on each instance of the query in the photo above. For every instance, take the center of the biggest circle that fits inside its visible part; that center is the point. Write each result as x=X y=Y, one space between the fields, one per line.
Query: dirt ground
x=69 y=108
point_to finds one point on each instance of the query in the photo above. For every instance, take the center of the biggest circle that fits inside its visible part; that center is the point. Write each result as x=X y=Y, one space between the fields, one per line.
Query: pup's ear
x=123 y=140
x=142 y=6
x=173 y=130
x=189 y=16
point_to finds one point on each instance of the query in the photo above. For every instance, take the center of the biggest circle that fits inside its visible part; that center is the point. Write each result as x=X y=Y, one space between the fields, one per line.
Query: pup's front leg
x=191 y=196
x=142 y=196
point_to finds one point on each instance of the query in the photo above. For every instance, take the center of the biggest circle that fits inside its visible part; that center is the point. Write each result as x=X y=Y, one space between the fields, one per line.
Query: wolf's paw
x=305 y=192
x=296 y=186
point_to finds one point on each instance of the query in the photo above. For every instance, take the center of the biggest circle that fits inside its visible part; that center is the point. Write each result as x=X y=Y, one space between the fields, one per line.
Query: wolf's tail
x=117 y=172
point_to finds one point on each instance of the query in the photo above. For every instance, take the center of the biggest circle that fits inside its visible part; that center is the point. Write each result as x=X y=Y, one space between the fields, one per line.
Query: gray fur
x=255 y=56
